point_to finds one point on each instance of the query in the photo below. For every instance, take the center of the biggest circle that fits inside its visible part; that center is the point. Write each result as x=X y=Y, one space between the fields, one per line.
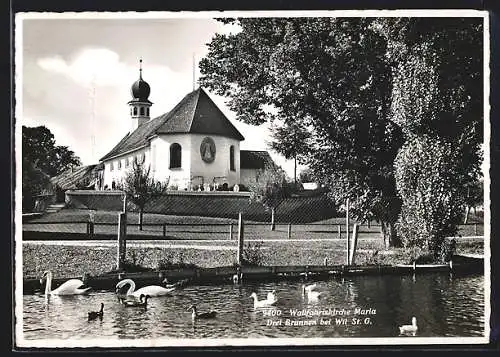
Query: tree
x=140 y=187
x=437 y=102
x=270 y=188
x=290 y=140
x=438 y=86
x=39 y=147
x=432 y=204
x=307 y=175
x=42 y=159
x=332 y=76
x=34 y=182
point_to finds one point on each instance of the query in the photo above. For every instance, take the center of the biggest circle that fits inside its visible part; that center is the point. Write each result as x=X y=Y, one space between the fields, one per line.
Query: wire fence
x=61 y=230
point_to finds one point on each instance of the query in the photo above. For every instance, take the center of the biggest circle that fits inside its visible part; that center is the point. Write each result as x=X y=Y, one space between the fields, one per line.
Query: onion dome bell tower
x=140 y=104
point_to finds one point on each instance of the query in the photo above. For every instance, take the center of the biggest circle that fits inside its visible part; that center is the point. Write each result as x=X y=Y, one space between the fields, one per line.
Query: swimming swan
x=409 y=329
x=271 y=296
x=95 y=314
x=70 y=287
x=310 y=287
x=310 y=293
x=261 y=303
x=142 y=302
x=151 y=290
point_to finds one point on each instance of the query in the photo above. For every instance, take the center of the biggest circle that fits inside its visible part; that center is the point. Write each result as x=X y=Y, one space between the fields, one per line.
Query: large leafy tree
x=140 y=187
x=270 y=188
x=42 y=159
x=34 y=182
x=437 y=102
x=39 y=146
x=331 y=75
x=291 y=141
x=427 y=181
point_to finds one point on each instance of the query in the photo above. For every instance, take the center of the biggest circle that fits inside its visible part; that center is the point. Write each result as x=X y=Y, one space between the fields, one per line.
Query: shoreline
x=68 y=260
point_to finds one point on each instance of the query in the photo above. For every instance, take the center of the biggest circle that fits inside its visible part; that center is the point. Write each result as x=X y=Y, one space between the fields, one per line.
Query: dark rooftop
x=255 y=159
x=196 y=113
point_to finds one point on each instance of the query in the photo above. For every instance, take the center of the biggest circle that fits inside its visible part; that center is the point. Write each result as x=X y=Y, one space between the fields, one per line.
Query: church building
x=194 y=145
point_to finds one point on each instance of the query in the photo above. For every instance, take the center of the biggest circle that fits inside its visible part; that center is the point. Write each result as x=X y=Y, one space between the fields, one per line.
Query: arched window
x=175 y=156
x=142 y=110
x=135 y=110
x=231 y=158
x=147 y=111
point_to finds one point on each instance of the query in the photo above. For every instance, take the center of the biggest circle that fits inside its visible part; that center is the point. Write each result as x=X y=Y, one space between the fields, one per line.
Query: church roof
x=255 y=159
x=196 y=113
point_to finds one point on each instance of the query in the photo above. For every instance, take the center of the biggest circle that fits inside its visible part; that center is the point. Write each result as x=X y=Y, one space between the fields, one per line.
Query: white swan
x=311 y=294
x=151 y=290
x=70 y=287
x=271 y=296
x=310 y=287
x=409 y=329
x=262 y=303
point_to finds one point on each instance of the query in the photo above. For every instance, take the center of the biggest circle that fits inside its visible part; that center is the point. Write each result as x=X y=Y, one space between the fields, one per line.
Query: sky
x=76 y=75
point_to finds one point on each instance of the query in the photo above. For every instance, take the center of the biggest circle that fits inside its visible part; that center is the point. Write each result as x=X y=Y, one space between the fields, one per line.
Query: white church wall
x=116 y=168
x=219 y=168
x=179 y=177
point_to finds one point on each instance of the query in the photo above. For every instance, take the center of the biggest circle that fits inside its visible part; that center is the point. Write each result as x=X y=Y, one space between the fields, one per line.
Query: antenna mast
x=194 y=76
x=92 y=117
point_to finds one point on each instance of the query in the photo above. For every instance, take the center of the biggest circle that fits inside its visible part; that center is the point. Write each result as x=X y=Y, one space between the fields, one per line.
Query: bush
x=252 y=254
x=429 y=185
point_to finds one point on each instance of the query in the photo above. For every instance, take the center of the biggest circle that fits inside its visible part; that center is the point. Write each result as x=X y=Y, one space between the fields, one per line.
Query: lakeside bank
x=96 y=258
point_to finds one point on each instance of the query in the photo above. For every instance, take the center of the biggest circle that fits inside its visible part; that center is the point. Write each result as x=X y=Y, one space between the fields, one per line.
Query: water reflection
x=351 y=307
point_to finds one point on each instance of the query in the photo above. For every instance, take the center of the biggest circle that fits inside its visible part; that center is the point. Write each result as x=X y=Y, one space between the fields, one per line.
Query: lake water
x=370 y=307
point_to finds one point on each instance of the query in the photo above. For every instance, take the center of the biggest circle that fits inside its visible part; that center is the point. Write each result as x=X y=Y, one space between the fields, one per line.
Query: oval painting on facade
x=207 y=150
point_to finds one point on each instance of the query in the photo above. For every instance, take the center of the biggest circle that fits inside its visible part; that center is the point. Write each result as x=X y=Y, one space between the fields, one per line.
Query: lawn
x=193 y=227
x=309 y=244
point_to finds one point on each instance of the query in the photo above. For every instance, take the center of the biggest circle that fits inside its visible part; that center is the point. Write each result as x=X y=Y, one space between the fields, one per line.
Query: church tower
x=140 y=104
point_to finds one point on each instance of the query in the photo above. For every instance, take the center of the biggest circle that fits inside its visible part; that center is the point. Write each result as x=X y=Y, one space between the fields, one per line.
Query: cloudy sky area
x=77 y=73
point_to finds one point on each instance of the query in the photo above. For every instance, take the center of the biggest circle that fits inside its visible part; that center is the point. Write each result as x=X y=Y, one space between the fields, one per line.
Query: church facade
x=194 y=145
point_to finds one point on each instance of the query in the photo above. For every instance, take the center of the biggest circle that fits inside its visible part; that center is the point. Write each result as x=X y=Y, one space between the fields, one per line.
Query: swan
x=238 y=277
x=310 y=293
x=70 y=287
x=95 y=314
x=178 y=284
x=409 y=329
x=151 y=290
x=142 y=302
x=271 y=296
x=261 y=303
x=310 y=287
x=204 y=315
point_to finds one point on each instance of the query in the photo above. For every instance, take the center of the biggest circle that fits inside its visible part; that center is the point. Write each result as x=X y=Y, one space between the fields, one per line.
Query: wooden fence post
x=230 y=231
x=354 y=243
x=240 y=239
x=289 y=230
x=347 y=229
x=475 y=229
x=164 y=229
x=340 y=231
x=122 y=236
